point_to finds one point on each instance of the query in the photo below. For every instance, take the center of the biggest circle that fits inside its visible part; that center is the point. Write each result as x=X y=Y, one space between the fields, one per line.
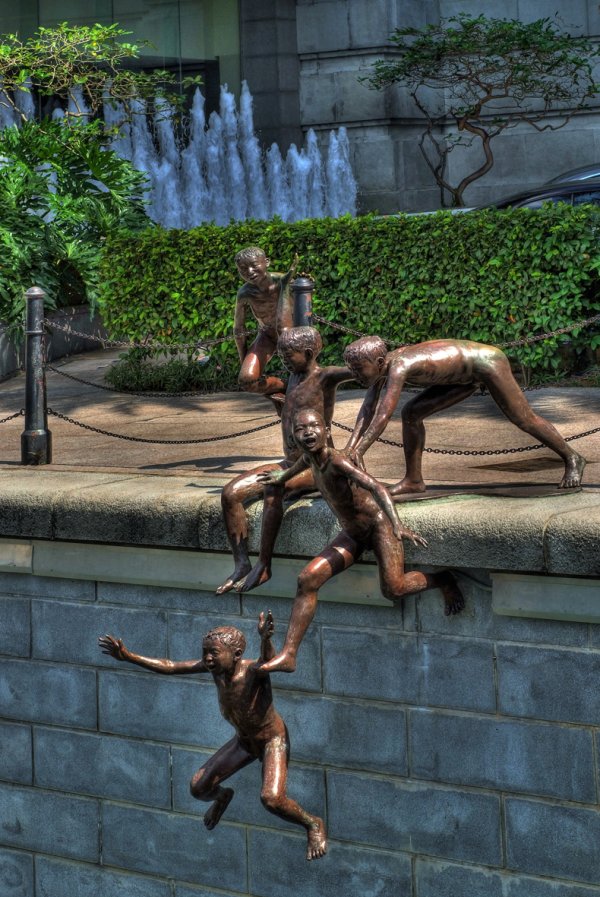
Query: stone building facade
x=303 y=60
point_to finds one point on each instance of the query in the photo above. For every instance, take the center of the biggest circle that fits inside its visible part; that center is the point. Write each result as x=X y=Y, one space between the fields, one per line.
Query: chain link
x=472 y=453
x=206 y=439
x=587 y=322
x=143 y=395
x=145 y=344
x=20 y=413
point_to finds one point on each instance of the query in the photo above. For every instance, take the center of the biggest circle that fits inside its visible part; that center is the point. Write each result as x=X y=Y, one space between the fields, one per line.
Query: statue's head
x=366 y=358
x=252 y=263
x=296 y=346
x=310 y=430
x=222 y=648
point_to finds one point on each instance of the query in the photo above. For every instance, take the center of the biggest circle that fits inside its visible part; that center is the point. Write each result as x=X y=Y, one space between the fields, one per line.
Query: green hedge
x=489 y=276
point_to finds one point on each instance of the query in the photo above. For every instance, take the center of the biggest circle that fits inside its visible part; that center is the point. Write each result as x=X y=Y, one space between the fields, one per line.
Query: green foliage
x=472 y=78
x=61 y=190
x=135 y=372
x=60 y=194
x=491 y=276
x=92 y=58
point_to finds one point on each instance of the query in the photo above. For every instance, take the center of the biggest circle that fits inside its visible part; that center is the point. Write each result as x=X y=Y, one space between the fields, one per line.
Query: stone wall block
x=420 y=819
x=69 y=633
x=346 y=733
x=58 y=879
x=16 y=754
x=168 y=598
x=438 y=879
x=549 y=683
x=16 y=874
x=370 y=23
x=393 y=667
x=347 y=872
x=174 y=846
x=47 y=694
x=96 y=765
x=503 y=755
x=46 y=587
x=15 y=632
x=49 y=823
x=547 y=839
x=477 y=620
x=322 y=26
x=165 y=708
x=185 y=641
x=305 y=785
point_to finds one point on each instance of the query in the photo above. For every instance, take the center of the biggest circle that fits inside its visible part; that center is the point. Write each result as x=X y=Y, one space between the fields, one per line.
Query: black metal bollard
x=302 y=288
x=36 y=439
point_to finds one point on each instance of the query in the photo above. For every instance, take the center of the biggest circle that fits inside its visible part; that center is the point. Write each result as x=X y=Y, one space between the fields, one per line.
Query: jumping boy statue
x=246 y=701
x=368 y=519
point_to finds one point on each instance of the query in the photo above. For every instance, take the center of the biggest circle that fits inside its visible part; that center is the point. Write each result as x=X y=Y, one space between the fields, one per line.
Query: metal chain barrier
x=146 y=344
x=206 y=439
x=474 y=452
x=587 y=322
x=20 y=413
x=143 y=395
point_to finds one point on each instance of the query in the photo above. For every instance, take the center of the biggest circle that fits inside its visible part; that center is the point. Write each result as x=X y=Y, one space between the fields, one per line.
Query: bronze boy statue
x=309 y=386
x=246 y=701
x=267 y=296
x=368 y=520
x=451 y=370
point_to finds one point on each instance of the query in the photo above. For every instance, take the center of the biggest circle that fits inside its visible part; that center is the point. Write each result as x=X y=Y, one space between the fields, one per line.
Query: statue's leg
x=337 y=556
x=396 y=583
x=274 y=797
x=507 y=394
x=428 y=402
x=206 y=783
x=252 y=377
x=236 y=494
x=271 y=522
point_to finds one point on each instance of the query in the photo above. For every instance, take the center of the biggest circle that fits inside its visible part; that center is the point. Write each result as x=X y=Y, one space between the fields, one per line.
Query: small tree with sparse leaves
x=473 y=78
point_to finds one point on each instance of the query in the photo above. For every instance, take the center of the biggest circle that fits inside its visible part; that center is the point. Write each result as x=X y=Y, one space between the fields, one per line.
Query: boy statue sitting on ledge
x=246 y=701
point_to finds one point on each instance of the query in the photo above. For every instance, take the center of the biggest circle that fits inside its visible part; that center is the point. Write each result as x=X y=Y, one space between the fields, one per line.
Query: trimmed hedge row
x=489 y=276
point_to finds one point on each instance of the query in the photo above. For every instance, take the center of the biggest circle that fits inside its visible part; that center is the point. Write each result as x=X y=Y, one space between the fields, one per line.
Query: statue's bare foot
x=573 y=472
x=259 y=574
x=217 y=808
x=317 y=840
x=240 y=572
x=454 y=600
x=282 y=663
x=406 y=486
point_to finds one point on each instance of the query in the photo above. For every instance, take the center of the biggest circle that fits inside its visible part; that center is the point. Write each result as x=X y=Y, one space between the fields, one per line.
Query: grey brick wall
x=451 y=757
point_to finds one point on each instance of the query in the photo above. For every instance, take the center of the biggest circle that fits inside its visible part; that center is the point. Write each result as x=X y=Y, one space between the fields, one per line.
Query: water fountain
x=217 y=172
x=221 y=174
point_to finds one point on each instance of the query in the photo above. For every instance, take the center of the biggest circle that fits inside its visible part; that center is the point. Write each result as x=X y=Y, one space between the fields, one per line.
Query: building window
x=189 y=37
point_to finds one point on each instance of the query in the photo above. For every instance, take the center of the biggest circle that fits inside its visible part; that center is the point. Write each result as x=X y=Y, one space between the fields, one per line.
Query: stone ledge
x=558 y=534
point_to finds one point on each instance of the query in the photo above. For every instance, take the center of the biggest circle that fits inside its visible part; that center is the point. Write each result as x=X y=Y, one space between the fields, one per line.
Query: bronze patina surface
x=245 y=701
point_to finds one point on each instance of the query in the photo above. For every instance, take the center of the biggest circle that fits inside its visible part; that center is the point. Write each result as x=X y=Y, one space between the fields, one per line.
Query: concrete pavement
x=474 y=424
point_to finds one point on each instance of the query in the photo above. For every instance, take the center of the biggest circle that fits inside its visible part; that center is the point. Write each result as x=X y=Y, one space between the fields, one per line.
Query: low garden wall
x=451 y=757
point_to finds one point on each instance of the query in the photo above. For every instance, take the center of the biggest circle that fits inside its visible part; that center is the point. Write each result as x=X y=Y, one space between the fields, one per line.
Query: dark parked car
x=587 y=173
x=573 y=192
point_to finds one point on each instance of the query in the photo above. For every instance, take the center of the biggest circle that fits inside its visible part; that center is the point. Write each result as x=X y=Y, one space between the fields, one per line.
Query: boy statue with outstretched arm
x=368 y=519
x=309 y=386
x=450 y=371
x=246 y=701
x=266 y=295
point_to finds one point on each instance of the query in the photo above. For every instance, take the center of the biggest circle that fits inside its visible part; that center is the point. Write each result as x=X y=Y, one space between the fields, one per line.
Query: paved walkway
x=475 y=424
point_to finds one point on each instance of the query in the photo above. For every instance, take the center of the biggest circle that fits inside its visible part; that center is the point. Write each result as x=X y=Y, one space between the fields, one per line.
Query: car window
x=536 y=203
x=593 y=196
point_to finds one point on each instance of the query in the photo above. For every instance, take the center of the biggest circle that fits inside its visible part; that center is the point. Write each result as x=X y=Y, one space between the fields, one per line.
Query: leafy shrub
x=60 y=194
x=491 y=276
